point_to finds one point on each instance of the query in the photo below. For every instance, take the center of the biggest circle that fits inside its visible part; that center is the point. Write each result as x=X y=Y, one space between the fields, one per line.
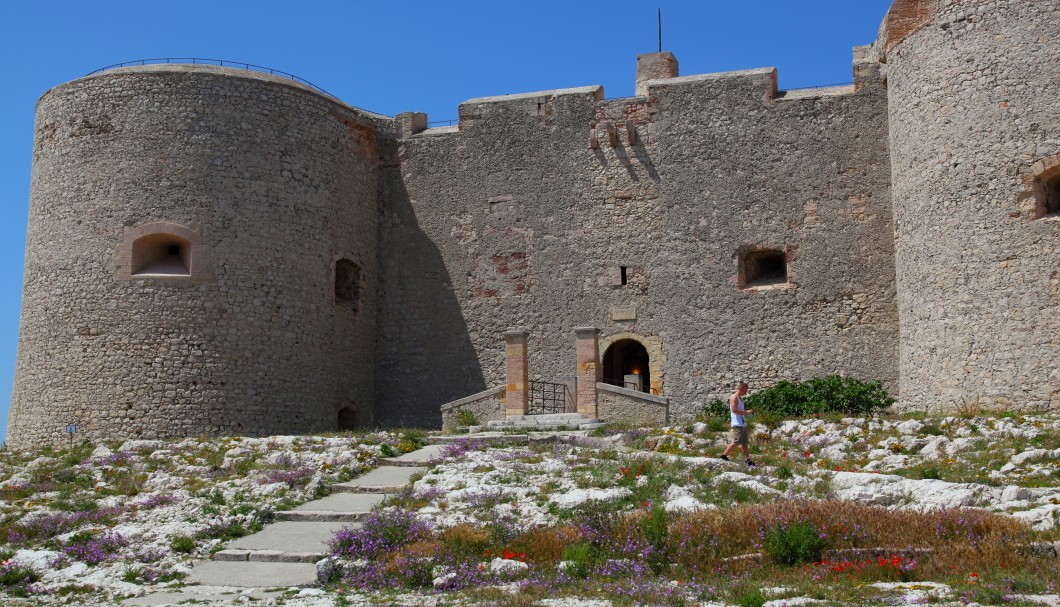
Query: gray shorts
x=739 y=435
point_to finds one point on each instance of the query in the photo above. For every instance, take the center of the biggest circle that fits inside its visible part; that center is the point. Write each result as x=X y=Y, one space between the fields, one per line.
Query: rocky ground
x=94 y=524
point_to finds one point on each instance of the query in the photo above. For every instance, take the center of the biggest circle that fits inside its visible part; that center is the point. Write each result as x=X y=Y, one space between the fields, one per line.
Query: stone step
x=268 y=556
x=419 y=457
x=252 y=575
x=203 y=595
x=547 y=417
x=384 y=479
x=539 y=426
x=337 y=507
x=294 y=538
x=480 y=438
x=541 y=420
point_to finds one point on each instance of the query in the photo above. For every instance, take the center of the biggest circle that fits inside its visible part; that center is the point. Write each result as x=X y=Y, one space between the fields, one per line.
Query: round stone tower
x=200 y=258
x=975 y=160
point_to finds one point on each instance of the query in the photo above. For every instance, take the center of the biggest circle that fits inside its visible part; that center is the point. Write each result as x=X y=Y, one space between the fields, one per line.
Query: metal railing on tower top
x=218 y=62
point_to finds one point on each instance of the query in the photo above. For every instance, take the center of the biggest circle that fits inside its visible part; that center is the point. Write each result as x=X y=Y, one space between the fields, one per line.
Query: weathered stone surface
x=904 y=210
x=276 y=179
x=972 y=108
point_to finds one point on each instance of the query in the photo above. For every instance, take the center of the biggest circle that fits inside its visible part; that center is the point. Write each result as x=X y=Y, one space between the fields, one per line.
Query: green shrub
x=832 y=394
x=414 y=436
x=182 y=544
x=580 y=559
x=794 y=544
x=654 y=527
x=12 y=574
x=386 y=450
x=216 y=498
x=931 y=472
x=716 y=409
x=225 y=531
x=717 y=424
x=466 y=418
x=753 y=597
x=933 y=430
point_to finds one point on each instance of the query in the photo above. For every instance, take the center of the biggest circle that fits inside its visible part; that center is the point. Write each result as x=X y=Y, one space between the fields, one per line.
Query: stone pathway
x=284 y=553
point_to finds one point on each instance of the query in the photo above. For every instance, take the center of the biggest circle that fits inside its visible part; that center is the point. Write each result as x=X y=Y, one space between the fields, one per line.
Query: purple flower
x=382 y=531
x=295 y=479
x=154 y=501
x=95 y=550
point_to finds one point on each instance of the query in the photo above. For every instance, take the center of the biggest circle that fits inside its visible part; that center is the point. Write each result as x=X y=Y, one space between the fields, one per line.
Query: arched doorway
x=347 y=419
x=626 y=365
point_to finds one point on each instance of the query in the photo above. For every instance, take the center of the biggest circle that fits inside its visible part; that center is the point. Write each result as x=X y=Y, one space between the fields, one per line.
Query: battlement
x=657 y=75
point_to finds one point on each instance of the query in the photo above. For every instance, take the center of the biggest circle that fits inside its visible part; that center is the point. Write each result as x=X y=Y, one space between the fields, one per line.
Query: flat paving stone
x=384 y=479
x=196 y=595
x=490 y=438
x=343 y=502
x=253 y=575
x=291 y=536
x=422 y=455
x=342 y=507
x=176 y=598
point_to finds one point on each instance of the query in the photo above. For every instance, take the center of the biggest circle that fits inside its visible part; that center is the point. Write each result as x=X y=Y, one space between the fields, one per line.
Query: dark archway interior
x=626 y=357
x=161 y=254
x=765 y=268
x=1052 y=195
x=347 y=418
x=347 y=283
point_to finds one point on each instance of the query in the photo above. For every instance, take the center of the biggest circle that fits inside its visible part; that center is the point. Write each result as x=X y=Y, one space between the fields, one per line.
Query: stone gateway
x=215 y=250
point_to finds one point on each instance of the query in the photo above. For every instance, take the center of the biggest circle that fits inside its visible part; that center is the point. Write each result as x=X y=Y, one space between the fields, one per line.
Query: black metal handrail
x=220 y=62
x=817 y=86
x=549 y=397
x=444 y=122
x=628 y=385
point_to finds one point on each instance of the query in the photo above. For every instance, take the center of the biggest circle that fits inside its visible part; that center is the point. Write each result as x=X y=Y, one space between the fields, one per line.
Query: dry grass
x=544 y=546
x=955 y=540
x=465 y=541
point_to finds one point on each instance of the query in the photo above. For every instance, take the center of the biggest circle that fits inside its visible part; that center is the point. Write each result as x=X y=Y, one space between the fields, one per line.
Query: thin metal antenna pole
x=660 y=29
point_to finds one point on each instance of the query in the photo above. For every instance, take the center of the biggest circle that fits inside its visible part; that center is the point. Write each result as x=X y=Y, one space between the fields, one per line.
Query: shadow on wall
x=424 y=355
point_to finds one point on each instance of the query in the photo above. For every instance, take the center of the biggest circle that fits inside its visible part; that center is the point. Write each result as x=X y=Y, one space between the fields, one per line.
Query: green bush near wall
x=831 y=394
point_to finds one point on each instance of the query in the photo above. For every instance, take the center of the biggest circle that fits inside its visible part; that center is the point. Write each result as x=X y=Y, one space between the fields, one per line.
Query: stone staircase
x=539 y=423
x=284 y=553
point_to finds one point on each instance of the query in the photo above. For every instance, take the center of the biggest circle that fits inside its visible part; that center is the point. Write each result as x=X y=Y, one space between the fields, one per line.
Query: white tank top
x=737 y=420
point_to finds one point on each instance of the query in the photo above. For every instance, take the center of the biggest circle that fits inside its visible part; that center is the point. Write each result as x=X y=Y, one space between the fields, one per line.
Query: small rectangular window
x=624 y=278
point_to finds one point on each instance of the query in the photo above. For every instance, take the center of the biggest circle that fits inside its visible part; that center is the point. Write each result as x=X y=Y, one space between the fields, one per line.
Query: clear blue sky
x=397 y=56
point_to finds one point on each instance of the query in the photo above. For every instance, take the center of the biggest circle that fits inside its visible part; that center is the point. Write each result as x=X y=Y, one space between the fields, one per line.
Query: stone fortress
x=214 y=250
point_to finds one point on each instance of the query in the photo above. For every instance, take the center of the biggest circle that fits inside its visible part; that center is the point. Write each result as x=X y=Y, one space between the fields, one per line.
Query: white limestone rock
x=101 y=452
x=499 y=566
x=575 y=497
x=1042 y=518
x=678 y=499
x=911 y=426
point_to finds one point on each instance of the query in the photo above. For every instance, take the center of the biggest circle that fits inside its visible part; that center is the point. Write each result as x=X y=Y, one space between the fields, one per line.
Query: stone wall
x=973 y=107
x=487 y=406
x=645 y=217
x=525 y=214
x=274 y=180
x=616 y=404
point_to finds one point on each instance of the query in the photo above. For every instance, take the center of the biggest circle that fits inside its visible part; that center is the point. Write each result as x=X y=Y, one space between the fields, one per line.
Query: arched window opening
x=761 y=268
x=347 y=283
x=161 y=254
x=1045 y=187
x=1051 y=195
x=626 y=365
x=347 y=419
